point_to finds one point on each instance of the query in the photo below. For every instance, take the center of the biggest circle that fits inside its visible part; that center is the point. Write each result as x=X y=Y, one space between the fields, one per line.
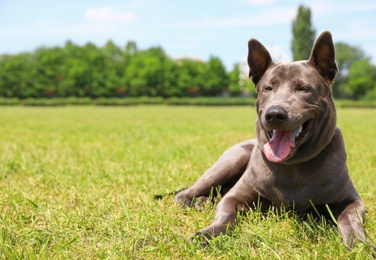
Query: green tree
x=114 y=66
x=110 y=71
x=172 y=73
x=362 y=79
x=130 y=50
x=345 y=56
x=112 y=52
x=76 y=71
x=303 y=34
x=47 y=71
x=214 y=77
x=14 y=76
x=189 y=77
x=234 y=80
x=144 y=75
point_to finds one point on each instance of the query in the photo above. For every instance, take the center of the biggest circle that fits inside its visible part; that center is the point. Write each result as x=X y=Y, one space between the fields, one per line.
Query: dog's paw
x=202 y=238
x=200 y=202
x=185 y=201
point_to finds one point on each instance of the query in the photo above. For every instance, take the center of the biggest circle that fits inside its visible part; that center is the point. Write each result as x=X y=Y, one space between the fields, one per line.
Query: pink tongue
x=279 y=147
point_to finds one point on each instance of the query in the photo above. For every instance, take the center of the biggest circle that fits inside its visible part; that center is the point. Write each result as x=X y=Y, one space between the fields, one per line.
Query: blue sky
x=193 y=28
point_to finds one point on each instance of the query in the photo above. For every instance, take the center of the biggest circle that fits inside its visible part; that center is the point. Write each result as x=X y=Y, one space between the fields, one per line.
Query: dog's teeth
x=299 y=131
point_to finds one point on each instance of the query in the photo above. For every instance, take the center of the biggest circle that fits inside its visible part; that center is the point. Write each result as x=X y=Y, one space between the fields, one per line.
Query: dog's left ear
x=323 y=57
x=258 y=60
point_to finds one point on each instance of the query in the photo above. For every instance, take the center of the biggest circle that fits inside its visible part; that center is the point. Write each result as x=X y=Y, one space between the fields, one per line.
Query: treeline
x=130 y=101
x=356 y=78
x=111 y=71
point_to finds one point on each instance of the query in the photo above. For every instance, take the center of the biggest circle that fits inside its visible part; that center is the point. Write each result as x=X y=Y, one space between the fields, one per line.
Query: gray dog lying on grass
x=298 y=159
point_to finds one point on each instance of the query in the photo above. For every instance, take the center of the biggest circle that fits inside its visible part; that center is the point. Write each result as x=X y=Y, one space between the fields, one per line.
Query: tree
x=234 y=80
x=110 y=71
x=303 y=34
x=15 y=78
x=113 y=52
x=345 y=56
x=189 y=81
x=144 y=75
x=130 y=50
x=362 y=79
x=171 y=76
x=114 y=64
x=214 y=78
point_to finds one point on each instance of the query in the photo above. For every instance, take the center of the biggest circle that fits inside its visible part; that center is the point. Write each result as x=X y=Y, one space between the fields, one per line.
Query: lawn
x=78 y=183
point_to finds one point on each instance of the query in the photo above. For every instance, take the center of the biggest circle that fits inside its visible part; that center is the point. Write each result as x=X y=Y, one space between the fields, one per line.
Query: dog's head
x=294 y=104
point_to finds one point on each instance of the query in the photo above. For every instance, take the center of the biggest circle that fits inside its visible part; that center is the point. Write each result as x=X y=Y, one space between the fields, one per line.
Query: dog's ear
x=258 y=60
x=323 y=57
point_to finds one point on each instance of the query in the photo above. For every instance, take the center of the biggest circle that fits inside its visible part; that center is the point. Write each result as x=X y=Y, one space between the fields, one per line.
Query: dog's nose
x=275 y=114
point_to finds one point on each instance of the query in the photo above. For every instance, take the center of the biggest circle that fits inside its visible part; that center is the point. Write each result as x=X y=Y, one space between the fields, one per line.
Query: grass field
x=78 y=183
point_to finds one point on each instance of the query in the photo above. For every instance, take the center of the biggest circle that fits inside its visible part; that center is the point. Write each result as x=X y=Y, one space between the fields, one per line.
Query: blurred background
x=161 y=48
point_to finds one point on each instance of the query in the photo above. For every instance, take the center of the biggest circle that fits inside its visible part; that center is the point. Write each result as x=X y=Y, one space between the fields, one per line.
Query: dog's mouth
x=281 y=142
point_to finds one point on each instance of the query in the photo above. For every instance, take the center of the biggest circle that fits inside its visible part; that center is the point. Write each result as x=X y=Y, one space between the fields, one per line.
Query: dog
x=298 y=159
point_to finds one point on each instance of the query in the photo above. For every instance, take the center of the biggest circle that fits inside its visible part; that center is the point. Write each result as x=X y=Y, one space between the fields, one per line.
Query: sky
x=183 y=28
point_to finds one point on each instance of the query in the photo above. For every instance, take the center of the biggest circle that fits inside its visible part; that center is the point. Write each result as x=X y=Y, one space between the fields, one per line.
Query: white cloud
x=323 y=7
x=106 y=13
x=266 y=17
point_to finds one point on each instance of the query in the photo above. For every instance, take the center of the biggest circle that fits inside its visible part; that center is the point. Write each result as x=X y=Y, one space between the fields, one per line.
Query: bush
x=133 y=101
x=53 y=102
x=212 y=101
x=355 y=103
x=75 y=101
x=9 y=101
x=129 y=101
x=43 y=102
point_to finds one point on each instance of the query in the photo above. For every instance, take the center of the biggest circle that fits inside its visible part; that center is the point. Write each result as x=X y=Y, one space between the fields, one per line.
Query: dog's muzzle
x=282 y=142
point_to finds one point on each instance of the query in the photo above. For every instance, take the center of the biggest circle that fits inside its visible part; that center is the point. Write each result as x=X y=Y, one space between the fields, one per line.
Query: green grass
x=78 y=183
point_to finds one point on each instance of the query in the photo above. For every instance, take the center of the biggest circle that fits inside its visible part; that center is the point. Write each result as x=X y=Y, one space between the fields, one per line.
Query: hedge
x=128 y=101
x=355 y=103
x=211 y=101
x=197 y=101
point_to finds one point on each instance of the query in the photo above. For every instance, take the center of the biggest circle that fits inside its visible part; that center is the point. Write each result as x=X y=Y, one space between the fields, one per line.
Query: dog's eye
x=267 y=88
x=304 y=88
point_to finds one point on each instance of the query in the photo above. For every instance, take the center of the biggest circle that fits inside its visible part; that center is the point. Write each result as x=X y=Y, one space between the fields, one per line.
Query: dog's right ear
x=323 y=57
x=259 y=60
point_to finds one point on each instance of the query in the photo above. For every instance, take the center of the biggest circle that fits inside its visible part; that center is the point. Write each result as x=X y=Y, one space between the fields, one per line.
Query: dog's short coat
x=298 y=159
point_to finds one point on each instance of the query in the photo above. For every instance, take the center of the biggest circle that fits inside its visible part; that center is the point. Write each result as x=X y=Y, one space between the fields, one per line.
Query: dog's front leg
x=223 y=174
x=350 y=223
x=240 y=197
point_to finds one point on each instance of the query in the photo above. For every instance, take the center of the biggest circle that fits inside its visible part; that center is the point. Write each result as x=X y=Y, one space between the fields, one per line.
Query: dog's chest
x=290 y=186
x=288 y=190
